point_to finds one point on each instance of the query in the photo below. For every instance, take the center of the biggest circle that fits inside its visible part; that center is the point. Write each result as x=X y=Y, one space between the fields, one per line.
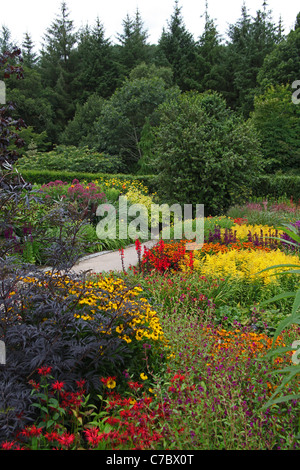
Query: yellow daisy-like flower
x=111 y=383
x=143 y=376
x=120 y=328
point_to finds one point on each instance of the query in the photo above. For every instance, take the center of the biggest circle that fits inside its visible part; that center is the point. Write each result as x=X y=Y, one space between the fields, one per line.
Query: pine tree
x=282 y=65
x=133 y=48
x=58 y=45
x=30 y=57
x=96 y=70
x=210 y=53
x=251 y=40
x=6 y=44
x=297 y=23
x=57 y=69
x=178 y=47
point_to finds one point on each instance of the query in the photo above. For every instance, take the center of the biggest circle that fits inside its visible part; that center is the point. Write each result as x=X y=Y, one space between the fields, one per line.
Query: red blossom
x=51 y=436
x=8 y=445
x=66 y=439
x=44 y=370
x=135 y=385
x=94 y=436
x=34 y=384
x=58 y=385
x=111 y=420
x=31 y=431
x=80 y=384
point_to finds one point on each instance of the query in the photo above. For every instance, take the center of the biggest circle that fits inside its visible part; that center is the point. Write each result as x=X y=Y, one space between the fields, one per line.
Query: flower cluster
x=86 y=197
x=165 y=257
x=241 y=342
x=258 y=235
x=244 y=264
x=134 y=422
x=219 y=247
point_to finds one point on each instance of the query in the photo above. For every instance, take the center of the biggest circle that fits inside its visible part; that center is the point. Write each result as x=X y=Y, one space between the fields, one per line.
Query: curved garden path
x=110 y=260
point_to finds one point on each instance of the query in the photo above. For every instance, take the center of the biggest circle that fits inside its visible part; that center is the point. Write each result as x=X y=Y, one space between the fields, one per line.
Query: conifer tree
x=178 y=47
x=282 y=65
x=30 y=57
x=251 y=40
x=133 y=48
x=211 y=54
x=96 y=69
x=57 y=68
x=6 y=43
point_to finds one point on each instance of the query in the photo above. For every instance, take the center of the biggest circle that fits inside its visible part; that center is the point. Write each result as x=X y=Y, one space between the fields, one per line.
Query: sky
x=35 y=16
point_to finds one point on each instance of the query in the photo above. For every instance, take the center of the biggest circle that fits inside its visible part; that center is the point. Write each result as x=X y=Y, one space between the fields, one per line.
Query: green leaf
x=285 y=295
x=281 y=400
x=53 y=402
x=296 y=304
x=283 y=324
x=49 y=423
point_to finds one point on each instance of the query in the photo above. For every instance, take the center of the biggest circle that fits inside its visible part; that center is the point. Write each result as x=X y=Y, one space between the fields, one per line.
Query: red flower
x=240 y=220
x=138 y=244
x=52 y=436
x=31 y=431
x=135 y=385
x=34 y=384
x=110 y=382
x=44 y=370
x=8 y=445
x=71 y=400
x=178 y=376
x=80 y=384
x=66 y=439
x=126 y=414
x=58 y=385
x=111 y=420
x=94 y=436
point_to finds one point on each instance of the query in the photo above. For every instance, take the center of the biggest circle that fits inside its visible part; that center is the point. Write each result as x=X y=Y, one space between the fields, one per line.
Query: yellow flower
x=120 y=328
x=143 y=376
x=245 y=264
x=111 y=383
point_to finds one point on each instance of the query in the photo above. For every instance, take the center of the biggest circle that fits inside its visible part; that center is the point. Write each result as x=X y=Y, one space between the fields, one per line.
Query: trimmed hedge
x=45 y=176
x=277 y=185
x=71 y=158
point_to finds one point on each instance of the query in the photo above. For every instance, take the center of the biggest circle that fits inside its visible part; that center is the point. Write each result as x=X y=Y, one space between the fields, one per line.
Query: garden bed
x=171 y=354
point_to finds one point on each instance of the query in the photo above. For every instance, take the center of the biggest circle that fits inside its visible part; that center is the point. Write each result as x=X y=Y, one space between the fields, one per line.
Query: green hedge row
x=277 y=186
x=71 y=158
x=45 y=176
x=274 y=186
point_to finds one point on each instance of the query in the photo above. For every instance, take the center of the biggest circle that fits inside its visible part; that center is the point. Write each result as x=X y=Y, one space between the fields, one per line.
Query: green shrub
x=277 y=119
x=205 y=154
x=71 y=158
x=276 y=186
